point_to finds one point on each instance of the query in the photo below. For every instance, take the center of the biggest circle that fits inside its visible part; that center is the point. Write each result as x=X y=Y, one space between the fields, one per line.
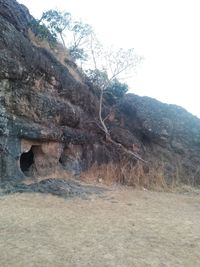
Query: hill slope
x=49 y=117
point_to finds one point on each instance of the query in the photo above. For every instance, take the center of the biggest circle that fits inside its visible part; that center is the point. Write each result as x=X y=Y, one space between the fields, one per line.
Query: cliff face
x=49 y=116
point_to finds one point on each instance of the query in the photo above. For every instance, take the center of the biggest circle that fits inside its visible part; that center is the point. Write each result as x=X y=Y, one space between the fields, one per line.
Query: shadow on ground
x=58 y=187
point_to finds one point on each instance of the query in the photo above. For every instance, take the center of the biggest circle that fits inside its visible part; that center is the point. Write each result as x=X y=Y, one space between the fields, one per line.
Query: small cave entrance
x=145 y=139
x=26 y=161
x=61 y=161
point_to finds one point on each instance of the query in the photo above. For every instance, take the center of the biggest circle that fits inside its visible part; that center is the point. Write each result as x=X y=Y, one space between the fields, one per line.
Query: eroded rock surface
x=49 y=116
x=57 y=187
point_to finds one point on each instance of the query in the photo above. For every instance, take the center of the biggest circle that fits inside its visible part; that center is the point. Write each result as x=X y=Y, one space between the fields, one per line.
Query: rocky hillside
x=49 y=119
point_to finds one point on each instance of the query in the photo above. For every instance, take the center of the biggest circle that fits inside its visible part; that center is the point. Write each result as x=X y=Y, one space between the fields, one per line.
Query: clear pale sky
x=165 y=32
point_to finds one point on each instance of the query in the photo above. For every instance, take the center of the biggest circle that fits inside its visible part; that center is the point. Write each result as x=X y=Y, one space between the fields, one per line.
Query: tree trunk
x=63 y=41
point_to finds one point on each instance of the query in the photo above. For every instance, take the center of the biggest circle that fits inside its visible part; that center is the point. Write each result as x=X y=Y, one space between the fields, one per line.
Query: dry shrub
x=105 y=173
x=156 y=178
x=38 y=42
x=127 y=173
x=59 y=51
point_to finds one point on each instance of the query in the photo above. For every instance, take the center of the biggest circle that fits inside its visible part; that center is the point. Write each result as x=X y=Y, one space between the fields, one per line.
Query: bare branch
x=100 y=113
x=92 y=51
x=127 y=151
x=106 y=117
x=119 y=145
x=63 y=41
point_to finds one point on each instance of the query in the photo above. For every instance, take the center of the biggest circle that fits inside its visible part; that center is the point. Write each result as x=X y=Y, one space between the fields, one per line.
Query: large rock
x=17 y=15
x=168 y=133
x=49 y=116
x=40 y=100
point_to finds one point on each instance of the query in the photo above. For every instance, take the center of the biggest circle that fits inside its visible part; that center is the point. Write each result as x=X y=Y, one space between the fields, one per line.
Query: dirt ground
x=120 y=228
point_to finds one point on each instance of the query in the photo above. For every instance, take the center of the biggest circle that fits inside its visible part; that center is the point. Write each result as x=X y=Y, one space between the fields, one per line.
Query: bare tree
x=80 y=39
x=109 y=65
x=113 y=65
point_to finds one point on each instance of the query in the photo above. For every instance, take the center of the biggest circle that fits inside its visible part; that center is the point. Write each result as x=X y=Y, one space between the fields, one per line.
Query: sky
x=164 y=32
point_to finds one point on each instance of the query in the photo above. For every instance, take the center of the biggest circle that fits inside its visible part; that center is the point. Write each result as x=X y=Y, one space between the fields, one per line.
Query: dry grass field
x=120 y=228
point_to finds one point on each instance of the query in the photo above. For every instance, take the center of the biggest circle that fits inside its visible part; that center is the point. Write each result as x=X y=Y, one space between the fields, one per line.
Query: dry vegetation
x=138 y=176
x=59 y=52
x=121 y=228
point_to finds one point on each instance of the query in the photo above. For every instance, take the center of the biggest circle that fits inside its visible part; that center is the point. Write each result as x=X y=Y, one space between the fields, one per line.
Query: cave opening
x=26 y=161
x=60 y=160
x=145 y=139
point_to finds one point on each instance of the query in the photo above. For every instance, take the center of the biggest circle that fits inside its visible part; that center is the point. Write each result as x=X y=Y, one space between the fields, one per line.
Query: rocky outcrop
x=49 y=116
x=168 y=133
x=17 y=15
